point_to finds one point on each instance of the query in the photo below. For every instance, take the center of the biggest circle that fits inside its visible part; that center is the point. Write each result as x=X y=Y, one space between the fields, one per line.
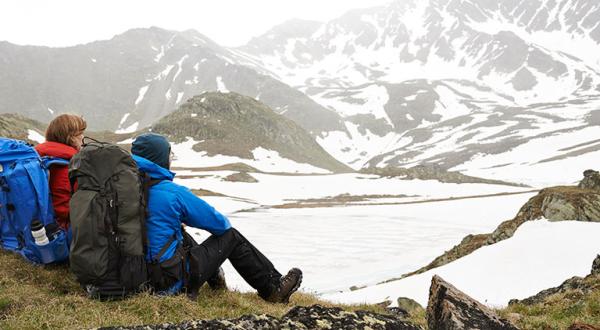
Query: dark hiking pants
x=250 y=263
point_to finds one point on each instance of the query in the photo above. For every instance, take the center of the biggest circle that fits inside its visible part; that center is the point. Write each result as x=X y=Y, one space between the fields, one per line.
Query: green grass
x=559 y=311
x=47 y=297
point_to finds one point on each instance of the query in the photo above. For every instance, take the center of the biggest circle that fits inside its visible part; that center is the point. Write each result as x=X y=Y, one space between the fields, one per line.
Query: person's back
x=64 y=137
x=170 y=205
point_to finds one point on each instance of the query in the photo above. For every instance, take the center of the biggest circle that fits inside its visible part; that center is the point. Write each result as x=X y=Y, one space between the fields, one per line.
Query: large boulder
x=451 y=309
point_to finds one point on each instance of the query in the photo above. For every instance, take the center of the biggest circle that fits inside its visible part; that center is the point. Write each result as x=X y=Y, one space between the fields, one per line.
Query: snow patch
x=123 y=119
x=221 y=85
x=130 y=129
x=141 y=94
x=160 y=54
x=264 y=160
x=35 y=136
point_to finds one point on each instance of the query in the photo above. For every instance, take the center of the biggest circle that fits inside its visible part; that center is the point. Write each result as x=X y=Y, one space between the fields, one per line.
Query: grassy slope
x=560 y=310
x=48 y=297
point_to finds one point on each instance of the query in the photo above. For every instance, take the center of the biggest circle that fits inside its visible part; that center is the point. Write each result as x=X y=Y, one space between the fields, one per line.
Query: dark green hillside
x=234 y=125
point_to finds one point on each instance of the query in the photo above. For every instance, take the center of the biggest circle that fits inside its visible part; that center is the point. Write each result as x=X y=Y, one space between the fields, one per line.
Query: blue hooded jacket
x=170 y=205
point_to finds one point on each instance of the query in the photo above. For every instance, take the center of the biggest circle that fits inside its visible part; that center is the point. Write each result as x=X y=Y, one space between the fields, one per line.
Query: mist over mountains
x=459 y=84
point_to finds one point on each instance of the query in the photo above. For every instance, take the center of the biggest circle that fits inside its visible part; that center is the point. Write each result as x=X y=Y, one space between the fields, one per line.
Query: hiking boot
x=217 y=281
x=288 y=284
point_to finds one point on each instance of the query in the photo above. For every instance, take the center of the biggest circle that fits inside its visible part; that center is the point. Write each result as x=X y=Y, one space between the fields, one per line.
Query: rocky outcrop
x=240 y=177
x=300 y=317
x=575 y=283
x=432 y=172
x=570 y=203
x=451 y=309
x=591 y=180
x=576 y=286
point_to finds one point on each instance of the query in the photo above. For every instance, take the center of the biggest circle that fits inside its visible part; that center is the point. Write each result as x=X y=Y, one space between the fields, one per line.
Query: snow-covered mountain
x=493 y=89
x=137 y=77
x=441 y=81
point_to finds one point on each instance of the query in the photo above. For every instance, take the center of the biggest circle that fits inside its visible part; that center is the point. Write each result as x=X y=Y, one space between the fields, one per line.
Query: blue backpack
x=24 y=197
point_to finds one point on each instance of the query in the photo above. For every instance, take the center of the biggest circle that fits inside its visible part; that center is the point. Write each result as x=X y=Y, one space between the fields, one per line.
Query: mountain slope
x=447 y=82
x=231 y=124
x=127 y=82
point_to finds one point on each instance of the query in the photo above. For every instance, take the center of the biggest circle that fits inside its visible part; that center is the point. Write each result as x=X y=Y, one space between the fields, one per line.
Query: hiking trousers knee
x=248 y=261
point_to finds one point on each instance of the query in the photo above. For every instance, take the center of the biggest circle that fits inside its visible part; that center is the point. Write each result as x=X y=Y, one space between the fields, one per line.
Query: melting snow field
x=340 y=247
x=539 y=256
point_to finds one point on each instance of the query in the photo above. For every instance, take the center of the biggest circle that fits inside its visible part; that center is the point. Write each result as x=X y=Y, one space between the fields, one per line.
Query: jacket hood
x=55 y=149
x=152 y=169
x=153 y=147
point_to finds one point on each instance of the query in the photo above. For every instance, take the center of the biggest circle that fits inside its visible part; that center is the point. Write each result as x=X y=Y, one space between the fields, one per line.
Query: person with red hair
x=64 y=138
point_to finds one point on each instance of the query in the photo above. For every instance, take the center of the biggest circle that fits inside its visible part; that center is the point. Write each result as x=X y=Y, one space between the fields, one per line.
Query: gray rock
x=409 y=305
x=575 y=283
x=318 y=317
x=570 y=204
x=300 y=317
x=257 y=322
x=241 y=177
x=451 y=309
x=591 y=180
x=596 y=266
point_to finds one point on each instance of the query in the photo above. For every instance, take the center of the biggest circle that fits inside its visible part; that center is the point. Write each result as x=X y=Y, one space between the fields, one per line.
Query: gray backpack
x=107 y=214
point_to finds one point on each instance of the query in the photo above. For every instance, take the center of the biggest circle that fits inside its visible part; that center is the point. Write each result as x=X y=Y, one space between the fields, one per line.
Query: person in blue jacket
x=176 y=262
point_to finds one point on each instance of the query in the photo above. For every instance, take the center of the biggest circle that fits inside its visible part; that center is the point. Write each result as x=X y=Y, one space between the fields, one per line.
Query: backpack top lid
x=11 y=150
x=96 y=163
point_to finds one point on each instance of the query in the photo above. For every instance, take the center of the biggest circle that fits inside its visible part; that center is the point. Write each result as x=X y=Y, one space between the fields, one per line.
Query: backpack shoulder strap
x=147 y=182
x=49 y=161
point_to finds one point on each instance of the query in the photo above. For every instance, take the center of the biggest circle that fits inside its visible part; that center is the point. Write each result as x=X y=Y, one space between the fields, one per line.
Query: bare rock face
x=451 y=309
x=300 y=317
x=591 y=180
x=564 y=203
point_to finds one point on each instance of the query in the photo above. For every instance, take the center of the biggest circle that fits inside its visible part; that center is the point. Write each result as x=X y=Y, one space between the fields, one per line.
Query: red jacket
x=60 y=188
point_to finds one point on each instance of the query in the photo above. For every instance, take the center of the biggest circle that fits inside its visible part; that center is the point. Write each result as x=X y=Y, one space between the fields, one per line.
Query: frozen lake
x=340 y=247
